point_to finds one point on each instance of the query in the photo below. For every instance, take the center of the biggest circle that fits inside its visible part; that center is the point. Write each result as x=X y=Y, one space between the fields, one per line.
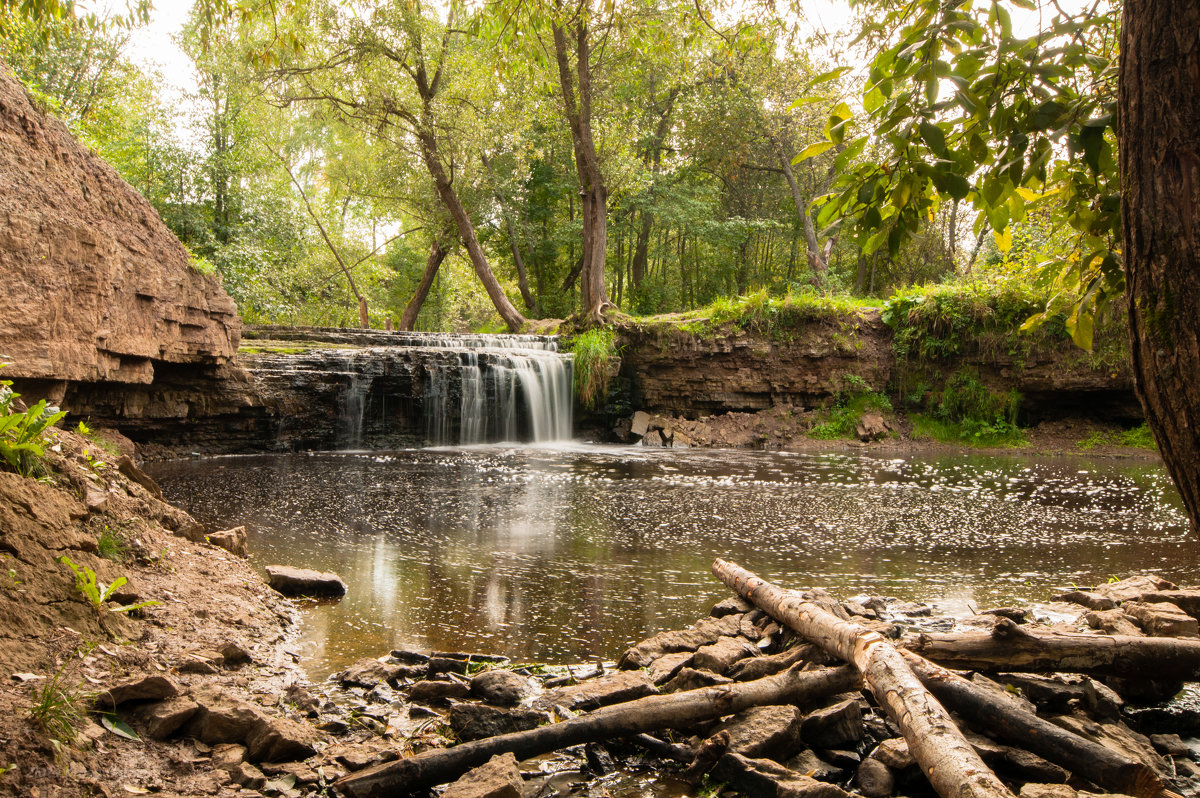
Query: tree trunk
x=1159 y=139
x=1005 y=720
x=513 y=245
x=674 y=711
x=948 y=760
x=593 y=194
x=466 y=231
x=818 y=260
x=437 y=254
x=1011 y=648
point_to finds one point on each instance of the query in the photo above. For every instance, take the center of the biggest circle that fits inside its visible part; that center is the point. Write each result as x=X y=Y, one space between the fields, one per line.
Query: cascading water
x=508 y=388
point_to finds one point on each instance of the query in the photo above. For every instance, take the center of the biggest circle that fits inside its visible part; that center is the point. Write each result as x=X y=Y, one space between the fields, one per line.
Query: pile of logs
x=792 y=694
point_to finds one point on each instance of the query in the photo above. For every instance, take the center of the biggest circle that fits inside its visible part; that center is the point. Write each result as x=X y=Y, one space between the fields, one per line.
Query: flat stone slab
x=599 y=692
x=499 y=778
x=292 y=581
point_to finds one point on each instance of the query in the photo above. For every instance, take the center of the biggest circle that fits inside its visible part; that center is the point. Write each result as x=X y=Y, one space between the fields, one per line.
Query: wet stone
x=478 y=721
x=405 y=656
x=809 y=763
x=428 y=691
x=439 y=665
x=734 y=605
x=292 y=581
x=368 y=673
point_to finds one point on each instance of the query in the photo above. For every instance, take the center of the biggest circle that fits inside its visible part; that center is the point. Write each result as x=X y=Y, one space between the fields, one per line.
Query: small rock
x=1171 y=744
x=302 y=773
x=833 y=726
x=871 y=427
x=894 y=753
x=1047 y=791
x=640 y=423
x=874 y=779
x=439 y=665
x=227 y=755
x=234 y=654
x=147 y=688
x=501 y=687
x=599 y=760
x=653 y=438
x=499 y=778
x=1114 y=622
x=763 y=731
x=478 y=721
x=127 y=467
x=664 y=668
x=762 y=778
x=1087 y=598
x=367 y=672
x=404 y=656
x=248 y=776
x=692 y=679
x=304 y=582
x=232 y=540
x=602 y=691
x=734 y=605
x=1162 y=619
x=808 y=763
x=428 y=691
x=303 y=700
x=721 y=655
x=164 y=718
x=1014 y=614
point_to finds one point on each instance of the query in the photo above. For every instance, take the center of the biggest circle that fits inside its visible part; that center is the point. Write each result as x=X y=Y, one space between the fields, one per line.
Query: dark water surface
x=571 y=553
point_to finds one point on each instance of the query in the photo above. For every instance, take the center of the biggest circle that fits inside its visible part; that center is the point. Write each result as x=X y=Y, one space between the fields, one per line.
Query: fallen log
x=677 y=710
x=1007 y=721
x=1010 y=647
x=939 y=747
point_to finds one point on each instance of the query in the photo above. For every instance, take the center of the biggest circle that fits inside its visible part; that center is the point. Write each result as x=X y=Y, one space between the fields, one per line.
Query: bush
x=23 y=432
x=968 y=412
x=853 y=400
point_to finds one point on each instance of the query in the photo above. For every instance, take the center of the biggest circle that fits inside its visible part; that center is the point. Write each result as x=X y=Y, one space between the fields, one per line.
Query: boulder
x=163 y=718
x=663 y=669
x=232 y=540
x=1113 y=622
x=292 y=581
x=502 y=688
x=703 y=633
x=429 y=690
x=477 y=721
x=498 y=778
x=640 y=423
x=874 y=779
x=594 y=693
x=224 y=719
x=871 y=427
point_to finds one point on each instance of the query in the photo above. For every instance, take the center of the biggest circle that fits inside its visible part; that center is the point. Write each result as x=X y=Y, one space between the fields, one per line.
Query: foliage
x=1138 y=437
x=96 y=592
x=967 y=411
x=960 y=107
x=111 y=545
x=23 y=432
x=59 y=703
x=595 y=351
x=854 y=399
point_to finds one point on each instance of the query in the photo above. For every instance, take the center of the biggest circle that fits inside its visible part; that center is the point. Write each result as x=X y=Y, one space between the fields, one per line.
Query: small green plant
x=111 y=545
x=58 y=703
x=83 y=430
x=595 y=351
x=855 y=398
x=96 y=592
x=966 y=411
x=23 y=432
x=1138 y=437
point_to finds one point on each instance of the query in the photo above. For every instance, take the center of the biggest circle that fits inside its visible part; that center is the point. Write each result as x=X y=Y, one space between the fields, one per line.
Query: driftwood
x=678 y=710
x=1008 y=721
x=1011 y=648
x=939 y=747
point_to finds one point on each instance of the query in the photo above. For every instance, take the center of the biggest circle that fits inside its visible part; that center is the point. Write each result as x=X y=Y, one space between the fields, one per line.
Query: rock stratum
x=96 y=289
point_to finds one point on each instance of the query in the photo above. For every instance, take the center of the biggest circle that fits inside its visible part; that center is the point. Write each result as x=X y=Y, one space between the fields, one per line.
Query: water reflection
x=574 y=553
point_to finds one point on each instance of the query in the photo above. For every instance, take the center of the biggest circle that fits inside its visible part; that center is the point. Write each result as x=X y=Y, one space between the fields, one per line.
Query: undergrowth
x=1138 y=437
x=58 y=704
x=595 y=351
x=849 y=405
x=762 y=313
x=23 y=433
x=967 y=411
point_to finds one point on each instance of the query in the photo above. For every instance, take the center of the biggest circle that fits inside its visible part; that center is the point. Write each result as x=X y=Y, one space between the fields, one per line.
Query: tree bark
x=1011 y=648
x=948 y=760
x=677 y=710
x=1007 y=721
x=593 y=194
x=1159 y=144
x=437 y=254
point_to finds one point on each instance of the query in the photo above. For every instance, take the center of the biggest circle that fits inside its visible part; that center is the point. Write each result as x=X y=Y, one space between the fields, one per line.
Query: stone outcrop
x=96 y=288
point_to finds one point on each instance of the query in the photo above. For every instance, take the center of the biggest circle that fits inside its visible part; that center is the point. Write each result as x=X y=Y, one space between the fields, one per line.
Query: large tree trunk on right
x=948 y=760
x=1160 y=208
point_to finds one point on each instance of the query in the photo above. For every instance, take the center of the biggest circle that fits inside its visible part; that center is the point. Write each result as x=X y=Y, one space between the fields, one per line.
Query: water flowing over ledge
x=372 y=389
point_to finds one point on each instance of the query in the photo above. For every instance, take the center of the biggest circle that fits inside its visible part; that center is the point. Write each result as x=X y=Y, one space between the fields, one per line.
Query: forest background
x=518 y=161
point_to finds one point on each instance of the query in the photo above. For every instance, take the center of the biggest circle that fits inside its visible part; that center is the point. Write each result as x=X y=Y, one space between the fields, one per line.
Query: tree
x=1159 y=135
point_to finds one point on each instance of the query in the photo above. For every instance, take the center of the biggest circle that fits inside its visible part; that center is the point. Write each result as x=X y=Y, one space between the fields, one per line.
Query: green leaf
x=957 y=186
x=825 y=77
x=934 y=137
x=1004 y=239
x=806 y=100
x=119 y=727
x=812 y=151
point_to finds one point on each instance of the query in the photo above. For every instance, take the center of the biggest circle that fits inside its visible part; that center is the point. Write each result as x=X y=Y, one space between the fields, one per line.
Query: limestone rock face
x=96 y=288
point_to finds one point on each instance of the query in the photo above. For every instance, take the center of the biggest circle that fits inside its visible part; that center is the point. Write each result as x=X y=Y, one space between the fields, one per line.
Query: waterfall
x=354 y=404
x=508 y=388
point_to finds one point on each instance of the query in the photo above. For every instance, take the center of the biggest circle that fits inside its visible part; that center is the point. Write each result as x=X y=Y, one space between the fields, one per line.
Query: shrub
x=853 y=400
x=23 y=432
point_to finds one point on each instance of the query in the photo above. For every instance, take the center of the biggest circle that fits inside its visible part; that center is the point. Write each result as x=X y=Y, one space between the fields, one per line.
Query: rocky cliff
x=95 y=289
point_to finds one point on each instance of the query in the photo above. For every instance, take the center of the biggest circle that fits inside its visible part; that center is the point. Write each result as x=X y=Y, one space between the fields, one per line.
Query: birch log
x=1009 y=722
x=948 y=760
x=677 y=710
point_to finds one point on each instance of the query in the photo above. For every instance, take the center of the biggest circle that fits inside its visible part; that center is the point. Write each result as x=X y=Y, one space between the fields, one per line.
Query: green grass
x=853 y=401
x=111 y=545
x=760 y=312
x=969 y=432
x=58 y=703
x=1138 y=437
x=595 y=351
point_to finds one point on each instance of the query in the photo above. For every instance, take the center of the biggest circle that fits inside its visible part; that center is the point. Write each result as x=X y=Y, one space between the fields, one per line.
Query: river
x=574 y=552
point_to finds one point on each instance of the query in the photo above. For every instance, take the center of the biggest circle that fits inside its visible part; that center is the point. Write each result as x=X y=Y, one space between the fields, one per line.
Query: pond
x=571 y=553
